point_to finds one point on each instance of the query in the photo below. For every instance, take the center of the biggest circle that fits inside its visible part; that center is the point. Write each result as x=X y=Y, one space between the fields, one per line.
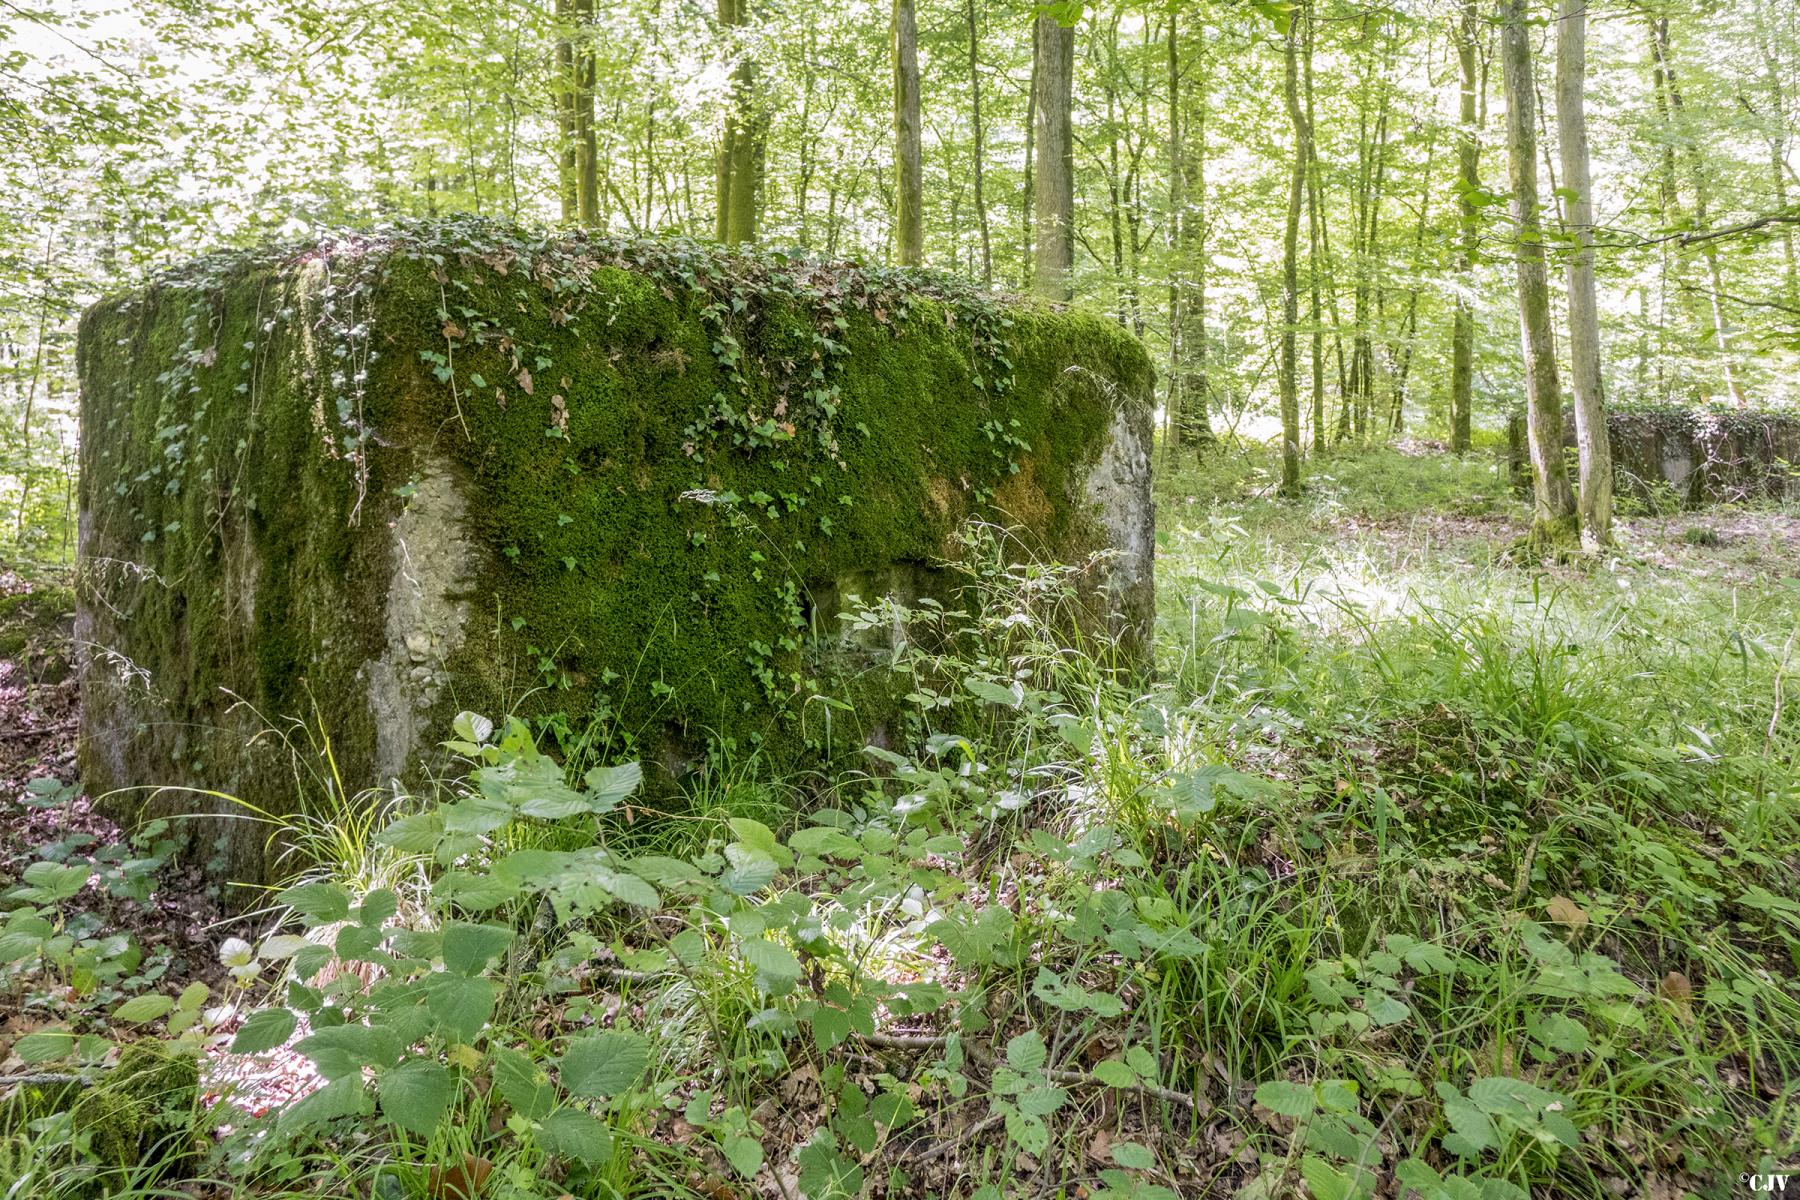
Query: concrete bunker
x=351 y=487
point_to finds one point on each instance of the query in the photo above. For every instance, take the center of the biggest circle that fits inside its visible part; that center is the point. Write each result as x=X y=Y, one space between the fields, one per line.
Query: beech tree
x=909 y=171
x=1596 y=468
x=1553 y=511
x=1053 y=231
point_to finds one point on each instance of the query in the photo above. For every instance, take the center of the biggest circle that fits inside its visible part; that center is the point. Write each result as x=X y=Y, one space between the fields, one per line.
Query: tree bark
x=1189 y=419
x=1715 y=279
x=1054 y=199
x=981 y=217
x=1596 y=471
x=743 y=145
x=565 y=109
x=1290 y=275
x=1554 y=519
x=587 y=151
x=1313 y=237
x=1468 y=219
x=909 y=172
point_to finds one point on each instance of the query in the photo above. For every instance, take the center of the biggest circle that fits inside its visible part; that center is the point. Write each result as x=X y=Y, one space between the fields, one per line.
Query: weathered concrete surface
x=1691 y=456
x=1708 y=457
x=347 y=489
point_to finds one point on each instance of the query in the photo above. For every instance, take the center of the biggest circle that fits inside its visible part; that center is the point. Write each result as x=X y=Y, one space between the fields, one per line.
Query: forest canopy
x=136 y=135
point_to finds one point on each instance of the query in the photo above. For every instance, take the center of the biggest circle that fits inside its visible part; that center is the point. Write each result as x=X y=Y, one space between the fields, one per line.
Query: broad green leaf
x=577 y=1135
x=468 y=948
x=1026 y=1052
x=604 y=1064
x=416 y=834
x=1114 y=1073
x=777 y=970
x=460 y=1004
x=523 y=1084
x=320 y=902
x=340 y=1098
x=745 y=1154
x=1287 y=1098
x=264 y=1030
x=609 y=785
x=45 y=1045
x=139 y=1009
x=415 y=1094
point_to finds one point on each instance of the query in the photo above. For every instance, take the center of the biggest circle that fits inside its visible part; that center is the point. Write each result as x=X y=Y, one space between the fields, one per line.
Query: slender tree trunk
x=565 y=109
x=1468 y=220
x=1317 y=334
x=1188 y=413
x=909 y=171
x=1054 y=259
x=1402 y=351
x=1778 y=144
x=1708 y=252
x=1028 y=199
x=1290 y=277
x=1554 y=519
x=587 y=150
x=1176 y=400
x=1596 y=468
x=981 y=217
x=742 y=148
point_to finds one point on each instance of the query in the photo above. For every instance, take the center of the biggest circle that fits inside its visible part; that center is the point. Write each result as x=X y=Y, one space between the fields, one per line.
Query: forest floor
x=1420 y=872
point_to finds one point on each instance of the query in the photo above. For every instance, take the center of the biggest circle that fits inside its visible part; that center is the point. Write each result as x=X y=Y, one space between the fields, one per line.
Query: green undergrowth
x=1416 y=874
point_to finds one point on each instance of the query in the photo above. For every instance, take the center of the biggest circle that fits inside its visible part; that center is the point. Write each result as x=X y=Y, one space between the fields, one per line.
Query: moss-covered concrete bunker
x=368 y=482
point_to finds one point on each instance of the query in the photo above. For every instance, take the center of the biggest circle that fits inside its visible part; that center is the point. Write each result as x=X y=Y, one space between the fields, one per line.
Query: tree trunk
x=1314 y=234
x=1188 y=406
x=1468 y=219
x=1290 y=276
x=909 y=171
x=1715 y=281
x=742 y=147
x=981 y=217
x=1778 y=145
x=1584 y=315
x=1054 y=259
x=1554 y=520
x=587 y=150
x=1028 y=197
x=565 y=109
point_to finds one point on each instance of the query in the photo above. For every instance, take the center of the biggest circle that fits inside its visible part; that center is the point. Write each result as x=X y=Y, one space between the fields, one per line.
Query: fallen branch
x=46 y=1078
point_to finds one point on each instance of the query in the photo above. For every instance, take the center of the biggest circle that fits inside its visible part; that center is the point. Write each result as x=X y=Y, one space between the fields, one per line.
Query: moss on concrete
x=617 y=481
